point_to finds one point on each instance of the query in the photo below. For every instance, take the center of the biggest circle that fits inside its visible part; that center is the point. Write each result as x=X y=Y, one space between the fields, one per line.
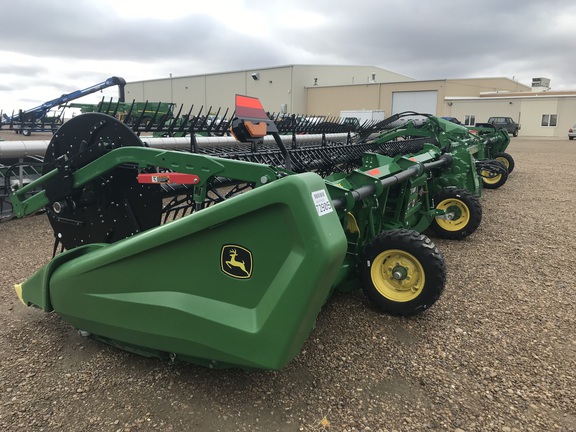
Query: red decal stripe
x=159 y=178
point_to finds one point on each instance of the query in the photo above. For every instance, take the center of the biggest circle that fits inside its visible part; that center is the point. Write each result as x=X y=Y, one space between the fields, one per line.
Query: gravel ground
x=496 y=353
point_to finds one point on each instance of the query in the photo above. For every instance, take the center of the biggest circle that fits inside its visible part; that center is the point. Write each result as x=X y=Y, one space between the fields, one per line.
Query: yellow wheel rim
x=460 y=214
x=397 y=275
x=504 y=161
x=490 y=180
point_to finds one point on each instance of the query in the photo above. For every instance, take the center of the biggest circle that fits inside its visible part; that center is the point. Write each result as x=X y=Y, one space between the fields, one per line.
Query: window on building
x=549 y=120
x=469 y=120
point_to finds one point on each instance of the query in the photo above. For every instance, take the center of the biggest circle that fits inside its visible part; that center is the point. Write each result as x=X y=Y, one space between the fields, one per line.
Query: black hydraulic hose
x=444 y=160
x=364 y=134
x=367 y=190
x=283 y=150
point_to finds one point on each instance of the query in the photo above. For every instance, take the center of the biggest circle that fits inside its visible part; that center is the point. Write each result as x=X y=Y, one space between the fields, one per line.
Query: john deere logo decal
x=236 y=261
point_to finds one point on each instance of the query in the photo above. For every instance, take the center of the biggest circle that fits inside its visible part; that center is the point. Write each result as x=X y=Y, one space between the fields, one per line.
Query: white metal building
x=328 y=89
x=280 y=89
x=395 y=97
x=544 y=114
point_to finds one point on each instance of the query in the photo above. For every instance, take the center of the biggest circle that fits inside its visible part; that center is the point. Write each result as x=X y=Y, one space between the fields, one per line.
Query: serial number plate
x=322 y=202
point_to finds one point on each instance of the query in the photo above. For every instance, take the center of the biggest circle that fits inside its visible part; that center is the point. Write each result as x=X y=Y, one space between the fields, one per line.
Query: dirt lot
x=496 y=353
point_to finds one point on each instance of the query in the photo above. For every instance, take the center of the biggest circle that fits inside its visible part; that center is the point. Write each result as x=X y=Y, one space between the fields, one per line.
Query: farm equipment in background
x=163 y=120
x=314 y=144
x=483 y=149
x=225 y=256
x=496 y=142
x=148 y=114
x=37 y=119
x=14 y=174
x=196 y=130
x=26 y=123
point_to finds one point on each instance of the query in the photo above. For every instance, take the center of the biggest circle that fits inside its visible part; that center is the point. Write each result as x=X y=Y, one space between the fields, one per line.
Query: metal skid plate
x=105 y=210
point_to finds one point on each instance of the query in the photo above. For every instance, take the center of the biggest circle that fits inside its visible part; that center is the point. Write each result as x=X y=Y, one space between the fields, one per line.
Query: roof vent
x=540 y=84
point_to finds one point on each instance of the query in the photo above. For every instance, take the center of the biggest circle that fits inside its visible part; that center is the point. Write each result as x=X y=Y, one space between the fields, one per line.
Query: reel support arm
x=186 y=163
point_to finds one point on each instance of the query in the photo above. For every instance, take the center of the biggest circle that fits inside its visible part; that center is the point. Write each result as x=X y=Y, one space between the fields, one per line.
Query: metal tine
x=174 y=121
x=129 y=114
x=100 y=106
x=224 y=123
x=152 y=121
x=194 y=119
x=185 y=119
x=141 y=116
x=106 y=109
x=116 y=107
x=214 y=120
x=165 y=117
x=204 y=120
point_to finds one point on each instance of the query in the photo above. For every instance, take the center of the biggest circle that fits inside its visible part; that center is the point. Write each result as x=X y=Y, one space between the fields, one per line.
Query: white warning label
x=322 y=202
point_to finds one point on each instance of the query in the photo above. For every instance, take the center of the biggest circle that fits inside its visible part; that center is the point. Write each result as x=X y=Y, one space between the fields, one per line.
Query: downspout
x=292 y=90
x=206 y=91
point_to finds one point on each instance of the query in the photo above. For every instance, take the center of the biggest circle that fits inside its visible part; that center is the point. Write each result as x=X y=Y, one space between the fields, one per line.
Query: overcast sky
x=51 y=47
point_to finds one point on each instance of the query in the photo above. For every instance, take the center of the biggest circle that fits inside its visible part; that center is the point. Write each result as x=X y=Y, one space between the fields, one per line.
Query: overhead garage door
x=420 y=101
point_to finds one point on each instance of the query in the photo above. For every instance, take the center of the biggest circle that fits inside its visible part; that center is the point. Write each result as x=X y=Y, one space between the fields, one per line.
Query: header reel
x=109 y=208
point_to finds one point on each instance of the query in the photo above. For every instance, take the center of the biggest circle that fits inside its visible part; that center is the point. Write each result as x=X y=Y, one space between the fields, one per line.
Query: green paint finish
x=164 y=290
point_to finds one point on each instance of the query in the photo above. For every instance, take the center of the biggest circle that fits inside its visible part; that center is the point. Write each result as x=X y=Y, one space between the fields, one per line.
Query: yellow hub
x=460 y=214
x=397 y=275
x=504 y=161
x=490 y=180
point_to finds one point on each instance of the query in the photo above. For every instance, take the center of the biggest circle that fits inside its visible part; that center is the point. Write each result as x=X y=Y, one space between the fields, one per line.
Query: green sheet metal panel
x=178 y=289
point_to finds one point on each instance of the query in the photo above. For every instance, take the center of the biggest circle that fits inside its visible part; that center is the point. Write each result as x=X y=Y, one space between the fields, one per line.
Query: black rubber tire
x=515 y=133
x=424 y=274
x=507 y=160
x=503 y=176
x=467 y=206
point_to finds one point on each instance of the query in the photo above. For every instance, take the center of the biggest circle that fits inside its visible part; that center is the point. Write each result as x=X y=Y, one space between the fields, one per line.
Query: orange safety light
x=251 y=123
x=255 y=130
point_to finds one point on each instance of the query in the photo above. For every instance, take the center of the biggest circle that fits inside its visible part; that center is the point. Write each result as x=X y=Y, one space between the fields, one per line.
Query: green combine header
x=226 y=259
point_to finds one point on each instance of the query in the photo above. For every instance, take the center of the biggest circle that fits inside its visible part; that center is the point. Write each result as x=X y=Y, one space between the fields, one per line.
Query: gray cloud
x=424 y=40
x=25 y=71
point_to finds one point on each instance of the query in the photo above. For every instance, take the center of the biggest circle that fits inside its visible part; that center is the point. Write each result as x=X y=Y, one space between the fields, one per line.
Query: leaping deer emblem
x=233 y=262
